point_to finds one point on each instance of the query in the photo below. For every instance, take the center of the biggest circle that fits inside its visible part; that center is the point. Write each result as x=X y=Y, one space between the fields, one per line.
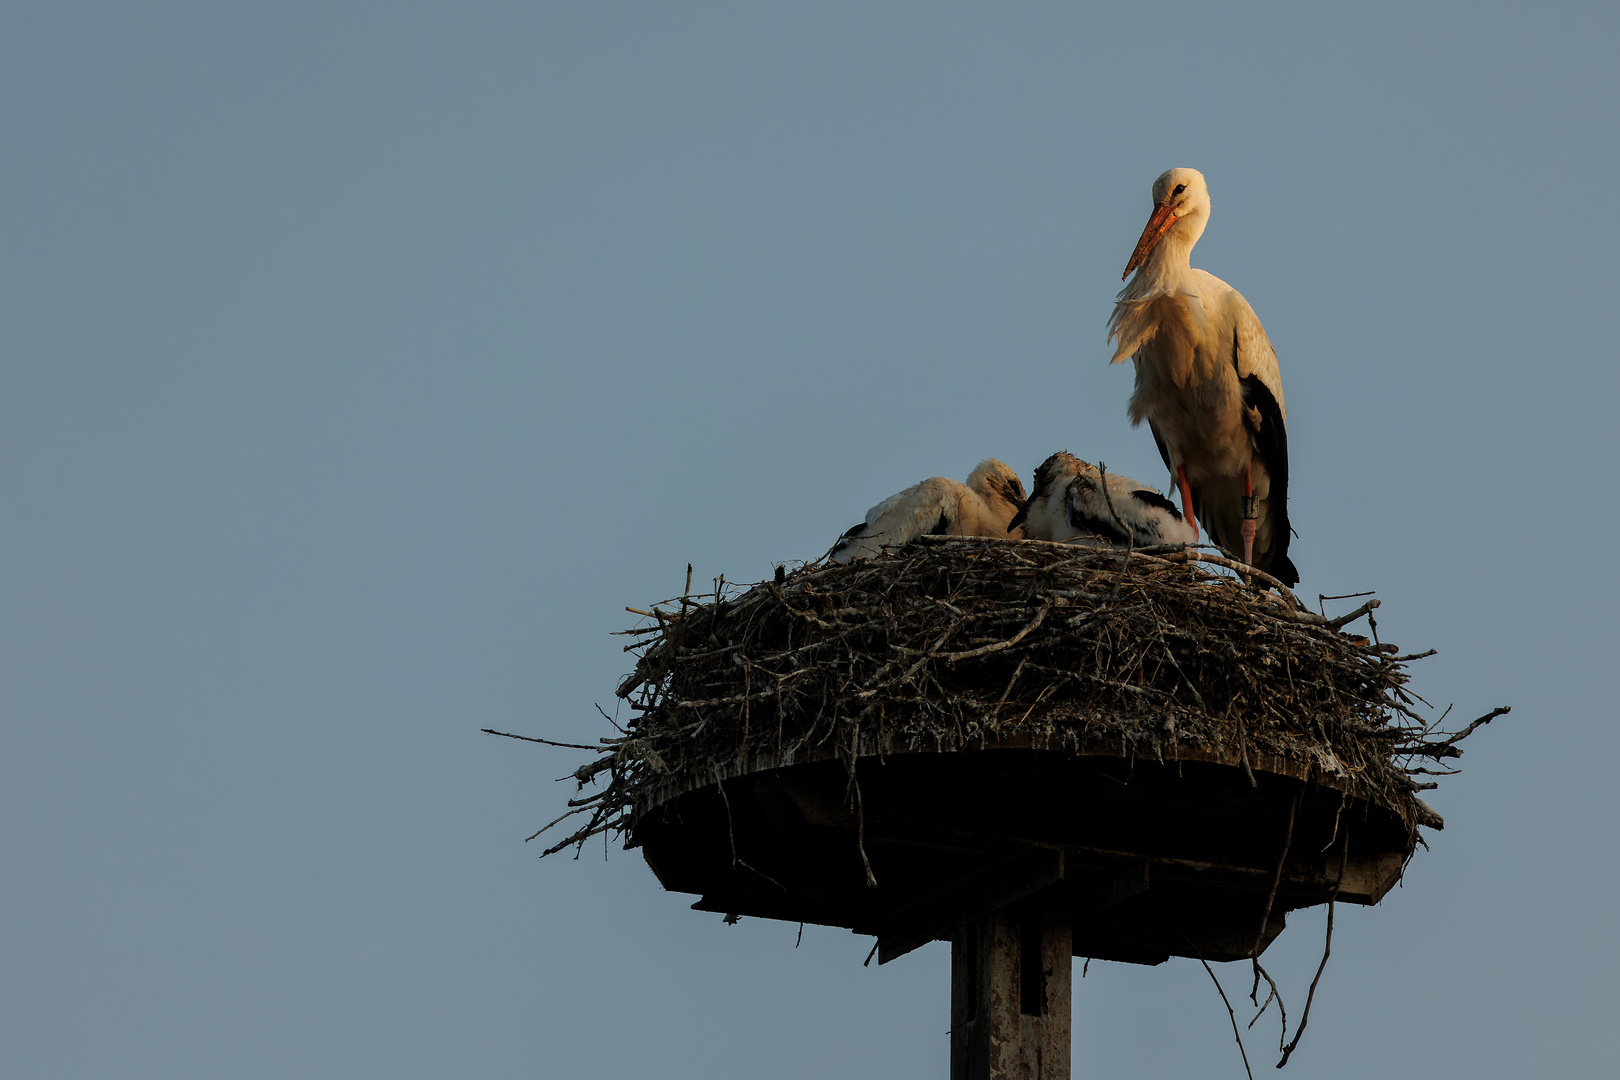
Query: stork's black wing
x=1272 y=441
x=1164 y=452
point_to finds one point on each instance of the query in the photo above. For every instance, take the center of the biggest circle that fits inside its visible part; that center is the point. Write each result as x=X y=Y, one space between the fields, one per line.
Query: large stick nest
x=958 y=643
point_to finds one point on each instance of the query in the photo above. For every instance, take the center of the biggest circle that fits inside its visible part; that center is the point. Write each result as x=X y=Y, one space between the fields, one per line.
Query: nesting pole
x=1010 y=995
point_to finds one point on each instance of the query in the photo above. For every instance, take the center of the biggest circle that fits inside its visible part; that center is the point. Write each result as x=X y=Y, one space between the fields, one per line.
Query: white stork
x=938 y=507
x=1068 y=502
x=1206 y=382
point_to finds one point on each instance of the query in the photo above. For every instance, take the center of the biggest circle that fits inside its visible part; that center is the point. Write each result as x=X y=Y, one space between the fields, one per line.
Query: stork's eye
x=1179 y=189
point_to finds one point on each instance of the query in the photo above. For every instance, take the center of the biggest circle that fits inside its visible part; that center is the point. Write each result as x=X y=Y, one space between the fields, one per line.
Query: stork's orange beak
x=1157 y=226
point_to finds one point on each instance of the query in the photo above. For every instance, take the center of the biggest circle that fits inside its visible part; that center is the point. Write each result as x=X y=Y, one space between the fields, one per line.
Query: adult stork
x=939 y=507
x=1068 y=501
x=1206 y=382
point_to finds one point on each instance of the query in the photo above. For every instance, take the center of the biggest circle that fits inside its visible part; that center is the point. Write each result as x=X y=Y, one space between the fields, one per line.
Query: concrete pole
x=1011 y=977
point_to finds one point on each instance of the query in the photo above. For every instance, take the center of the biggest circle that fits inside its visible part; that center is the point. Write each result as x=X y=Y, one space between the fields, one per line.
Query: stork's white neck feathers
x=1167 y=268
x=1170 y=265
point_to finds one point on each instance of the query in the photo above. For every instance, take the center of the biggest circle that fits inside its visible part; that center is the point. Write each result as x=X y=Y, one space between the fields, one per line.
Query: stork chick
x=1207 y=382
x=938 y=507
x=1067 y=501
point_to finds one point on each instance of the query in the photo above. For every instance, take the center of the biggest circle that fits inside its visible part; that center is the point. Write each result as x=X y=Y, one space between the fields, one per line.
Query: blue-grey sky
x=359 y=363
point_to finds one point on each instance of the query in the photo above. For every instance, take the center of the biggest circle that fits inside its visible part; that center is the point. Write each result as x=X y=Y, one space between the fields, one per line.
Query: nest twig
x=958 y=642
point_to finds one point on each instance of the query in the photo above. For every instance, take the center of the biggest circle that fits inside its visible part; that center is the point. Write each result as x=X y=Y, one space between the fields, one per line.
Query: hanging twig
x=1275 y=995
x=1327 y=949
x=1276 y=880
x=1230 y=1015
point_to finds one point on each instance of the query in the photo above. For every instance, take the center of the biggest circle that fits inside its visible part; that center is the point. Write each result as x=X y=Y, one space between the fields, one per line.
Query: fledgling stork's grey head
x=998 y=485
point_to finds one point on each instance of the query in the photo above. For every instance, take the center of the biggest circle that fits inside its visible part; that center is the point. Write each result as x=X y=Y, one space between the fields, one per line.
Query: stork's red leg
x=1248 y=513
x=1186 y=500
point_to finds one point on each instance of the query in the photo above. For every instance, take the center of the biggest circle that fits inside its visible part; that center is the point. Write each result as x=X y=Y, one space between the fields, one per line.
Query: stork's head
x=998 y=485
x=1180 y=209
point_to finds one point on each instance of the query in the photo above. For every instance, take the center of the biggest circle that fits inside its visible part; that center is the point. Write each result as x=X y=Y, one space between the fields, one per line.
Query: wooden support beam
x=1367 y=878
x=1094 y=897
x=938 y=914
x=1011 y=978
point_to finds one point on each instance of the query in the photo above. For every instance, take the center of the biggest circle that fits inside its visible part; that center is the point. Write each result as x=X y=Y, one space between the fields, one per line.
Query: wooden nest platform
x=1140 y=747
